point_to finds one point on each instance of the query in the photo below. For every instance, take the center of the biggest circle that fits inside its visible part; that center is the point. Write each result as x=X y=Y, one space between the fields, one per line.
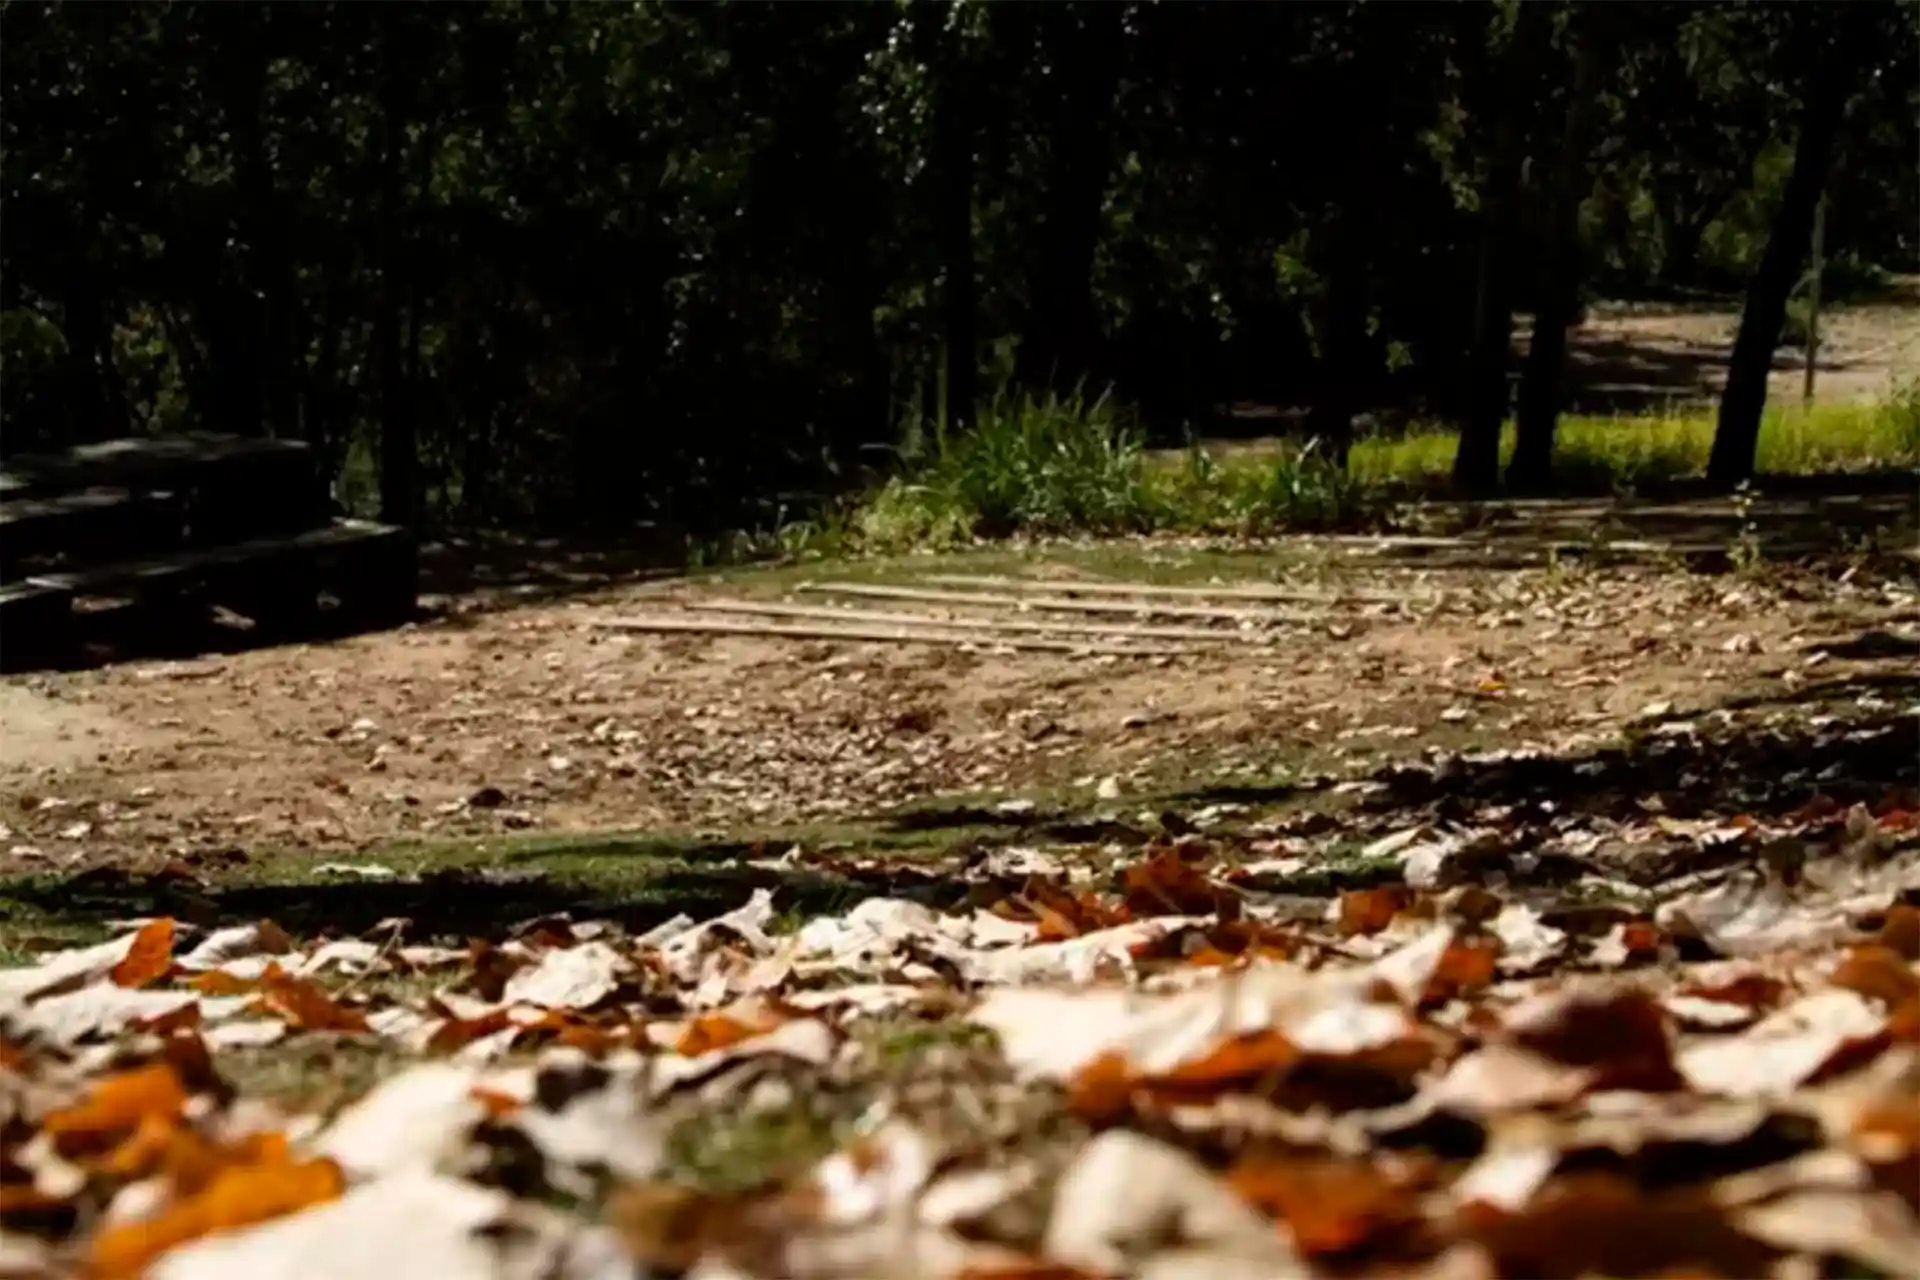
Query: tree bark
x=399 y=443
x=1059 y=343
x=953 y=221
x=1540 y=386
x=1736 y=438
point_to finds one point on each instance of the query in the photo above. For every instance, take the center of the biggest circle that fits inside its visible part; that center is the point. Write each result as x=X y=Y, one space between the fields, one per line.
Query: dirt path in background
x=534 y=719
x=1629 y=358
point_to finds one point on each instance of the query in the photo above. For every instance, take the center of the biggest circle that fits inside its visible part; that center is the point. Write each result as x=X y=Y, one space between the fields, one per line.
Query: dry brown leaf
x=721 y=1030
x=1598 y=1224
x=115 y=1108
x=1467 y=965
x=1900 y=931
x=1167 y=885
x=1331 y=1206
x=303 y=1005
x=218 y=982
x=150 y=958
x=1748 y=990
x=1878 y=973
x=1621 y=1036
x=1365 y=911
x=263 y=1182
x=670 y=1228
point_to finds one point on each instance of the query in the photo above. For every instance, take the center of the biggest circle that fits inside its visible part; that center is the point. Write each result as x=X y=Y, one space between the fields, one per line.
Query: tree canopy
x=550 y=263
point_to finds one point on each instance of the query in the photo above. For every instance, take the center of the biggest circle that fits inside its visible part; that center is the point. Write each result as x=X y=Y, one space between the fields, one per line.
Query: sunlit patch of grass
x=1625 y=450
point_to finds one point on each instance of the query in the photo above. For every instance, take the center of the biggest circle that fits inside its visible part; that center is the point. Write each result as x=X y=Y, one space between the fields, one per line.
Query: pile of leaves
x=1152 y=1067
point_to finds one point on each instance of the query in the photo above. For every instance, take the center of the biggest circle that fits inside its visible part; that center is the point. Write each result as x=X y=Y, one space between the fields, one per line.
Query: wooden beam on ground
x=883 y=635
x=1244 y=591
x=1064 y=626
x=1059 y=604
x=879 y=635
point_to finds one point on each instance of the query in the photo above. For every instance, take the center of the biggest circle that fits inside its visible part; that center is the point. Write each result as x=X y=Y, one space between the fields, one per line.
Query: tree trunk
x=1344 y=368
x=1476 y=462
x=1540 y=386
x=1737 y=437
x=399 y=443
x=1059 y=343
x=953 y=223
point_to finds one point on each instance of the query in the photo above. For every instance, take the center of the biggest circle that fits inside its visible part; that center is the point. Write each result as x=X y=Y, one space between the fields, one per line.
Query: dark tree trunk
x=1489 y=397
x=953 y=228
x=92 y=397
x=399 y=438
x=1737 y=436
x=1345 y=369
x=1540 y=385
x=1060 y=341
x=1680 y=247
x=1476 y=462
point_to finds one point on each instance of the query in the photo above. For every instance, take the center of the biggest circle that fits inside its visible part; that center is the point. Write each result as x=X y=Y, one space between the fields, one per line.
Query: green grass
x=1058 y=465
x=1628 y=450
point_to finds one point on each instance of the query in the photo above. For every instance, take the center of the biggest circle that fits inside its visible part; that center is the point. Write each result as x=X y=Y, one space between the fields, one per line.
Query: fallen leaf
x=115 y=1107
x=1365 y=911
x=1331 y=1206
x=303 y=1005
x=149 y=958
x=241 y=1194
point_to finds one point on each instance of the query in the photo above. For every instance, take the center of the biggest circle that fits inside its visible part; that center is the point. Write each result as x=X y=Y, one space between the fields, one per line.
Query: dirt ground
x=535 y=718
x=1630 y=358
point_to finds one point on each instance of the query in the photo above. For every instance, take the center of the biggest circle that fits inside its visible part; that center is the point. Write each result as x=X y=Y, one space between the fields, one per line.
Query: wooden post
x=1813 y=298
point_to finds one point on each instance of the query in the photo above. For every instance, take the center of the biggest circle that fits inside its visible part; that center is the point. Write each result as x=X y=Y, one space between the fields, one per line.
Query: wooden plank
x=79 y=528
x=37 y=626
x=1239 y=591
x=883 y=617
x=136 y=461
x=1059 y=604
x=877 y=635
x=159 y=570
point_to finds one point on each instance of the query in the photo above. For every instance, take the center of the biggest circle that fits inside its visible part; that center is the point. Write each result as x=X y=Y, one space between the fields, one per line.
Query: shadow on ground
x=1848 y=738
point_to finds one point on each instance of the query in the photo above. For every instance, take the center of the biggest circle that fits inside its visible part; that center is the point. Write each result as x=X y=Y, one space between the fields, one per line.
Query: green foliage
x=1603 y=453
x=594 y=264
x=1042 y=464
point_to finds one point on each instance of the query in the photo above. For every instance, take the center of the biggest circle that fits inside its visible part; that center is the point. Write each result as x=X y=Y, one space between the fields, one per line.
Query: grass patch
x=1623 y=451
x=476 y=886
x=1054 y=465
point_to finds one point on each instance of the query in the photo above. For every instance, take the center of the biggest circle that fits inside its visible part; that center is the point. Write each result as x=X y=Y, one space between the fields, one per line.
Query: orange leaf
x=1371 y=910
x=1877 y=973
x=1166 y=885
x=144 y=1150
x=117 y=1106
x=185 y=1018
x=456 y=1033
x=1467 y=965
x=1102 y=1090
x=150 y=958
x=217 y=982
x=304 y=1005
x=1639 y=937
x=718 y=1030
x=1622 y=1035
x=1242 y=1058
x=239 y=1195
x=1753 y=990
x=495 y=1103
x=1901 y=930
x=1331 y=1206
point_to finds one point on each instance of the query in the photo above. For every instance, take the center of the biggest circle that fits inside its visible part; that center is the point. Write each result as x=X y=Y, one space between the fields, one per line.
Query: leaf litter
x=1502 y=1015
x=1170 y=1072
